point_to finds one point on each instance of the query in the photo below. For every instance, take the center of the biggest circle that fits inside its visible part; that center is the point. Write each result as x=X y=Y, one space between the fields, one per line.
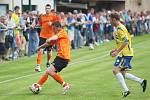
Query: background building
x=69 y=5
x=134 y=5
x=137 y=5
x=24 y=4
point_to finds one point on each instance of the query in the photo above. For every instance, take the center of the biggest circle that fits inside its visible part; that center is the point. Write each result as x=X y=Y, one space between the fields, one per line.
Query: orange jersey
x=46 y=30
x=63 y=45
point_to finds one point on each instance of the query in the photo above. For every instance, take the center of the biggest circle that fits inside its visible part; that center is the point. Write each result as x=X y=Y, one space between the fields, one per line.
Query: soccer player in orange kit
x=45 y=22
x=62 y=42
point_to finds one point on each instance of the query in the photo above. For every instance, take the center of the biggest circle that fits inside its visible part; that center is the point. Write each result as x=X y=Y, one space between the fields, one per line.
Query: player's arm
x=53 y=38
x=42 y=46
x=124 y=43
x=116 y=51
x=47 y=43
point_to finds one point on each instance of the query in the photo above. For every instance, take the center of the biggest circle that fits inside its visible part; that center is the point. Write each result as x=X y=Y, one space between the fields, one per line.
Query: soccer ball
x=35 y=88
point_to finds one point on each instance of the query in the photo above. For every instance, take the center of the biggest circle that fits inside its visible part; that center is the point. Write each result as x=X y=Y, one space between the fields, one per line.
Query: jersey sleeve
x=61 y=35
x=122 y=35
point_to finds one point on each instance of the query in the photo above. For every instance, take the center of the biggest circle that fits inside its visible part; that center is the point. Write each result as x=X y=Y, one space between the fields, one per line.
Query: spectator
x=70 y=25
x=33 y=35
x=15 y=18
x=89 y=29
x=9 y=41
x=2 y=36
x=78 y=25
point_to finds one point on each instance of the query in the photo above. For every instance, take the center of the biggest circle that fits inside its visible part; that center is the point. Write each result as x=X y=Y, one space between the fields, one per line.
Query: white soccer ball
x=36 y=88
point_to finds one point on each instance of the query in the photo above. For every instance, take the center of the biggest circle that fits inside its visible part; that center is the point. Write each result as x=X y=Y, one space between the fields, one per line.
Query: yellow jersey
x=15 y=19
x=120 y=35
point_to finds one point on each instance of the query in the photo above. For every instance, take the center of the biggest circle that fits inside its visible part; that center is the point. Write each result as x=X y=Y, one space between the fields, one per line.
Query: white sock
x=122 y=81
x=133 y=78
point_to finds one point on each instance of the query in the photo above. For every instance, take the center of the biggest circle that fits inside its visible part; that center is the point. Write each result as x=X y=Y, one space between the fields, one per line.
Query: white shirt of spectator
x=10 y=24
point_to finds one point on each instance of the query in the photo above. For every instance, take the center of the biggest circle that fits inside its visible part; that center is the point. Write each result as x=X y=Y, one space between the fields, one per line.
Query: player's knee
x=115 y=71
x=46 y=72
x=50 y=72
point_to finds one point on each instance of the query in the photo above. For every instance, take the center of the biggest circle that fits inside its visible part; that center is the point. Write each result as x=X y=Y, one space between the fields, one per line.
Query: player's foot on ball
x=126 y=93
x=144 y=85
x=66 y=87
x=37 y=68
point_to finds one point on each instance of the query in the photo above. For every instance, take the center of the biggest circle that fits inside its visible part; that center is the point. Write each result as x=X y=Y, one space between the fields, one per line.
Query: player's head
x=56 y=26
x=114 y=18
x=17 y=9
x=48 y=8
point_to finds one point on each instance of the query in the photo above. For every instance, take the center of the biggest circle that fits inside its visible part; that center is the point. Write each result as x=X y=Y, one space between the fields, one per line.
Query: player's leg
x=119 y=76
x=39 y=57
x=132 y=77
x=52 y=72
x=141 y=81
x=43 y=79
x=59 y=79
x=49 y=55
x=39 y=60
x=57 y=65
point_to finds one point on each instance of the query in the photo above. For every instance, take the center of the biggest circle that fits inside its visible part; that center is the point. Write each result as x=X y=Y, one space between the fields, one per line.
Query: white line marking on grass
x=88 y=60
x=9 y=80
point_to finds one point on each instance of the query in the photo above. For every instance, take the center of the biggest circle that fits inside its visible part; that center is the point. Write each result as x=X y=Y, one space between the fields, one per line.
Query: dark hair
x=16 y=7
x=56 y=24
x=48 y=5
x=9 y=11
x=52 y=10
x=115 y=15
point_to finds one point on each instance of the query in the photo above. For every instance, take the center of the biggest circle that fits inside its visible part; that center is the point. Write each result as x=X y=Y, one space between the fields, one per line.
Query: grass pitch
x=89 y=73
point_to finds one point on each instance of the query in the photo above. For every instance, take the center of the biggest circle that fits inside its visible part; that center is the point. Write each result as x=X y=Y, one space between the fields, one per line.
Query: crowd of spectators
x=19 y=31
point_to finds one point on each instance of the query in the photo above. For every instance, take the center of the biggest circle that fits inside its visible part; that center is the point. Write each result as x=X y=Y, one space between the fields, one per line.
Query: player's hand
x=48 y=40
x=111 y=52
x=114 y=53
x=38 y=48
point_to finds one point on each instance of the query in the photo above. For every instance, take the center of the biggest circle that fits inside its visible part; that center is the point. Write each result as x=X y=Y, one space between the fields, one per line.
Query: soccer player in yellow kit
x=124 y=54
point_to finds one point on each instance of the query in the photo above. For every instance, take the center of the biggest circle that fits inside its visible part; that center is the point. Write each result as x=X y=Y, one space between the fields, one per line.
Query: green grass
x=89 y=73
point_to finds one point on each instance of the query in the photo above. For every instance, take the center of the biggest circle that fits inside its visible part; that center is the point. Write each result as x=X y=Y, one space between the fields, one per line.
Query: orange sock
x=39 y=58
x=43 y=79
x=58 y=79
